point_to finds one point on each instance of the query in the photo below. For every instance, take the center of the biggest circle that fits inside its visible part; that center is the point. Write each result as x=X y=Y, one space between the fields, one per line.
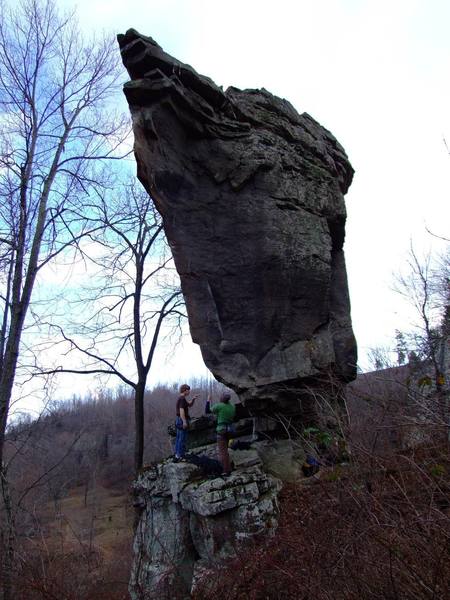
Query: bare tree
x=56 y=127
x=380 y=357
x=385 y=357
x=426 y=286
x=23 y=480
x=135 y=292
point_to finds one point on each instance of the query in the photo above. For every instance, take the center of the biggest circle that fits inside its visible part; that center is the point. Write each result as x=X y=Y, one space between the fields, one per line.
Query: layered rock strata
x=189 y=523
x=252 y=199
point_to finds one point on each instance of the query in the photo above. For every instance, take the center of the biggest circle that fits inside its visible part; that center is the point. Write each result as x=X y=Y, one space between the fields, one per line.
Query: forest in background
x=66 y=513
x=387 y=508
x=69 y=488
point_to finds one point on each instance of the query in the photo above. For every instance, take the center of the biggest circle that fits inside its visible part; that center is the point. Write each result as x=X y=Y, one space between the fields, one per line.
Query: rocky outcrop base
x=189 y=523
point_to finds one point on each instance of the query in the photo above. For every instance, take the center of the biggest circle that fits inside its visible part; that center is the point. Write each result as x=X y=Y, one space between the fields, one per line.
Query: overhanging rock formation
x=252 y=198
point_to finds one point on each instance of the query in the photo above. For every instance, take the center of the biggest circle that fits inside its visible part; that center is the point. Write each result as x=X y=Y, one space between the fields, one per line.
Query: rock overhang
x=251 y=195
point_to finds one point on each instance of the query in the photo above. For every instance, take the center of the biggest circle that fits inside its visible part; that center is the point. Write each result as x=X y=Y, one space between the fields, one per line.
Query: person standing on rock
x=225 y=412
x=182 y=421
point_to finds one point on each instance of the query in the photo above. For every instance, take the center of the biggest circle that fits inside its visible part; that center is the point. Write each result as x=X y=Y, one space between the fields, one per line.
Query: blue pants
x=180 y=440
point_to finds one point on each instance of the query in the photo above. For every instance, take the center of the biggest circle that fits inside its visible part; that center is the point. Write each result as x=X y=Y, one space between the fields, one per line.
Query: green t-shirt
x=225 y=414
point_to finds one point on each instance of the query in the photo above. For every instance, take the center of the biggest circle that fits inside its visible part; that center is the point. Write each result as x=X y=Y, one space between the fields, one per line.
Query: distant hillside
x=70 y=473
x=69 y=477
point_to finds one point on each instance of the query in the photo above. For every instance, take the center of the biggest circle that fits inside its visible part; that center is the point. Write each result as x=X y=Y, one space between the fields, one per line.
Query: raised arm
x=191 y=402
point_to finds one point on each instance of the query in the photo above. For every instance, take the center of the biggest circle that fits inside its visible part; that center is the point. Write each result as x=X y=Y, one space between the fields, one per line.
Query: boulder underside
x=252 y=199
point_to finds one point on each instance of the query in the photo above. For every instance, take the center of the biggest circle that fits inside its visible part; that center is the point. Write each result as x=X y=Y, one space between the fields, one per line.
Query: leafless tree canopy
x=133 y=297
x=56 y=131
x=425 y=284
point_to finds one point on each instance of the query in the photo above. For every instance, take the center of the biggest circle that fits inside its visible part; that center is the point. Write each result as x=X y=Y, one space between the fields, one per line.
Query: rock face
x=252 y=199
x=189 y=523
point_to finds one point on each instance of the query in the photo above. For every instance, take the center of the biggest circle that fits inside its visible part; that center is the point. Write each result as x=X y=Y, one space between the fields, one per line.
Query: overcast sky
x=373 y=72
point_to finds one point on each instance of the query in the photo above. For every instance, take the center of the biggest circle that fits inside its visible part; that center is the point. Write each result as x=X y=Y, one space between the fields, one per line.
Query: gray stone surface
x=189 y=523
x=164 y=552
x=211 y=497
x=282 y=458
x=252 y=199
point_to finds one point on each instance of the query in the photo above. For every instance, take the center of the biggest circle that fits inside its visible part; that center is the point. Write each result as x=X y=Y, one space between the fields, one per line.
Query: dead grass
x=104 y=520
x=359 y=533
x=83 y=552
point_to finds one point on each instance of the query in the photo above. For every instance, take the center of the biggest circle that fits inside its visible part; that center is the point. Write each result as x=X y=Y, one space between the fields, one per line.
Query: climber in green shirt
x=224 y=412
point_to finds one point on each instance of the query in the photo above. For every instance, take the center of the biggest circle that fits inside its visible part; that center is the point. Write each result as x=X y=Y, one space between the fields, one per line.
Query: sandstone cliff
x=252 y=199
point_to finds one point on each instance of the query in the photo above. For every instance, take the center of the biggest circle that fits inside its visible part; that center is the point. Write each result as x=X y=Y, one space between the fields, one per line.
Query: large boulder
x=189 y=524
x=252 y=199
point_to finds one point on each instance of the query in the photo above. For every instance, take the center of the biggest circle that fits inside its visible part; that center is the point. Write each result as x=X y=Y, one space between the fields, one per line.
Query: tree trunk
x=8 y=372
x=139 y=423
x=7 y=540
x=139 y=440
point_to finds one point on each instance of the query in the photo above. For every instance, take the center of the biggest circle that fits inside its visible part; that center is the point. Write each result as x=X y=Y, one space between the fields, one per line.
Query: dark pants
x=222 y=450
x=180 y=440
